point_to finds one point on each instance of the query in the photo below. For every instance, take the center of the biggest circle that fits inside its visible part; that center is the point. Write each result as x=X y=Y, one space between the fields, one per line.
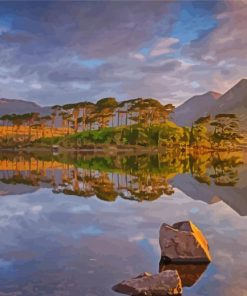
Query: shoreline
x=115 y=149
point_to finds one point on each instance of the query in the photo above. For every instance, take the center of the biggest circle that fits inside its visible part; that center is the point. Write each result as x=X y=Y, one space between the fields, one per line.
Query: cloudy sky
x=54 y=52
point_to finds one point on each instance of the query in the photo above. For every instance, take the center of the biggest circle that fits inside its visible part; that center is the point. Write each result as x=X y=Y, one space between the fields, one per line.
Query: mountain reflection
x=133 y=177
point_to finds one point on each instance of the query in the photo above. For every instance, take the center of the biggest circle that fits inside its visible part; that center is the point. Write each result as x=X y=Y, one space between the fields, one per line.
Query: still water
x=78 y=224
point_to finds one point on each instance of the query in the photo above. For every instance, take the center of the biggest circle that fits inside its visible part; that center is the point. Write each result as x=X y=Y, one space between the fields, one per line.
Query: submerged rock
x=166 y=283
x=183 y=242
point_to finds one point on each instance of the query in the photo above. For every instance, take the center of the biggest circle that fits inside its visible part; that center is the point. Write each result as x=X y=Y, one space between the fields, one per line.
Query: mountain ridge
x=191 y=109
x=233 y=100
x=9 y=106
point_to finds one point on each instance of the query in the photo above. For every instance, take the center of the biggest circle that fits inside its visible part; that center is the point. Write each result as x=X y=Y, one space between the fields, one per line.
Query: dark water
x=78 y=224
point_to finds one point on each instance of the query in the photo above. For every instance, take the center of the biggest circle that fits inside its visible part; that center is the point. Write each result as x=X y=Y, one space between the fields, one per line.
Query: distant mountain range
x=9 y=106
x=233 y=101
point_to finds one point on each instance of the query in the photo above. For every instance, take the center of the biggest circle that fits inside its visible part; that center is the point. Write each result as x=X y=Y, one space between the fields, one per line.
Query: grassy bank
x=168 y=134
x=132 y=138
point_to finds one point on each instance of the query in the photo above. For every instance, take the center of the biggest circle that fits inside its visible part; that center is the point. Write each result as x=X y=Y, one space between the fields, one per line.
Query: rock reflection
x=189 y=273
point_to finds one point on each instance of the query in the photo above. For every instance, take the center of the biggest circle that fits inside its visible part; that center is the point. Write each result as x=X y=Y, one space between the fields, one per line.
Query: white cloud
x=195 y=84
x=163 y=46
x=137 y=56
x=36 y=85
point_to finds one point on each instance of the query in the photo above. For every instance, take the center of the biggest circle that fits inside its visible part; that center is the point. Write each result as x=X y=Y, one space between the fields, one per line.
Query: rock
x=189 y=273
x=166 y=283
x=183 y=242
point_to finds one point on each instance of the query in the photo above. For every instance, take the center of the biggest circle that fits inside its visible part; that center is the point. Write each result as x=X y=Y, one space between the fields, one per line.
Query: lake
x=78 y=223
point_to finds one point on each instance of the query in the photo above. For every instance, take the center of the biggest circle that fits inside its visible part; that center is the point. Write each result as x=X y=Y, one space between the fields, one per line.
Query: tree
x=29 y=119
x=17 y=120
x=5 y=119
x=150 y=111
x=199 y=132
x=56 y=109
x=66 y=121
x=72 y=115
x=226 y=129
x=125 y=110
x=87 y=114
x=42 y=121
x=166 y=110
x=104 y=111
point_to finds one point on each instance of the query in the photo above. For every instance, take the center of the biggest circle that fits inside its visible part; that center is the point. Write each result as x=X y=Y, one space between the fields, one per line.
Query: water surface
x=78 y=224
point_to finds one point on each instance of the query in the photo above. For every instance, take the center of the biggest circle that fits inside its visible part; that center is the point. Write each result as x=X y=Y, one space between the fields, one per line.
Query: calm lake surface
x=77 y=224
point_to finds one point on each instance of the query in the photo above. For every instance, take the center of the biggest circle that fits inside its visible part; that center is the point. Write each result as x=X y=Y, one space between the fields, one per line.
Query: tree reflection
x=220 y=168
x=136 y=177
x=225 y=170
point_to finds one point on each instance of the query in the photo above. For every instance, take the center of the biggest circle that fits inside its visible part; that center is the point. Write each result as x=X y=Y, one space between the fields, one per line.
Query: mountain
x=233 y=101
x=9 y=106
x=194 y=108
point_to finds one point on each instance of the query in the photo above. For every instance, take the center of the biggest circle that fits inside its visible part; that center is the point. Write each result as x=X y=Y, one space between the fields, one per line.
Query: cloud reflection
x=61 y=251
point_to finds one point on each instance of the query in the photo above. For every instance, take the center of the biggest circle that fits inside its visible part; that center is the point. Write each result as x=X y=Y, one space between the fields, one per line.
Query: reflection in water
x=189 y=273
x=54 y=245
x=133 y=177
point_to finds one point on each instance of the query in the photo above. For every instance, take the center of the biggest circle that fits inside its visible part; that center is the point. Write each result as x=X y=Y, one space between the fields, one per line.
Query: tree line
x=223 y=129
x=142 y=121
x=134 y=177
x=85 y=115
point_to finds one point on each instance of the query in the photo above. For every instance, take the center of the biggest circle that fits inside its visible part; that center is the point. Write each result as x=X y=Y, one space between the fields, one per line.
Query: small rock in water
x=166 y=283
x=183 y=242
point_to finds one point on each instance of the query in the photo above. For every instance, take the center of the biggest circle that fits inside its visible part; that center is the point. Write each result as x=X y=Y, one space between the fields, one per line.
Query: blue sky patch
x=192 y=23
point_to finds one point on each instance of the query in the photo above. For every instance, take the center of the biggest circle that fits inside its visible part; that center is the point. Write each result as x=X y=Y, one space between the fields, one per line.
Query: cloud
x=36 y=85
x=226 y=41
x=221 y=52
x=33 y=231
x=163 y=67
x=117 y=27
x=137 y=56
x=163 y=46
x=54 y=52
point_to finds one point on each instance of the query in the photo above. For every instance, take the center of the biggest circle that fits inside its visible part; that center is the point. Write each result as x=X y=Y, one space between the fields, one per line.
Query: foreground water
x=78 y=225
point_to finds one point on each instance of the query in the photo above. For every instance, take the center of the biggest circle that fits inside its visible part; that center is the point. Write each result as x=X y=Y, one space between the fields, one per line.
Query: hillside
x=194 y=108
x=234 y=101
x=9 y=106
x=165 y=134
